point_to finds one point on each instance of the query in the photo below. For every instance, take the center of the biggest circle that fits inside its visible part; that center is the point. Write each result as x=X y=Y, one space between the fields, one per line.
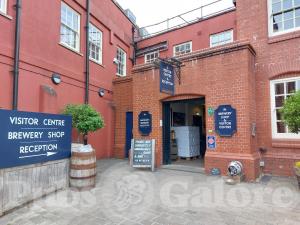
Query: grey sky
x=149 y=12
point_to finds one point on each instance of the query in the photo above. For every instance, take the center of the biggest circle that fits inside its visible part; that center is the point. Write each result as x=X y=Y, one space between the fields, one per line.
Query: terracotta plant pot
x=297 y=172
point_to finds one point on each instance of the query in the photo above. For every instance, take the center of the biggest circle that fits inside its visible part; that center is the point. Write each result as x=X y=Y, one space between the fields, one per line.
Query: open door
x=166 y=133
x=129 y=135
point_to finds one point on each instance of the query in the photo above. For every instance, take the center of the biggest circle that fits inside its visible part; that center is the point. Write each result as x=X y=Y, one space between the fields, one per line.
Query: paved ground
x=167 y=197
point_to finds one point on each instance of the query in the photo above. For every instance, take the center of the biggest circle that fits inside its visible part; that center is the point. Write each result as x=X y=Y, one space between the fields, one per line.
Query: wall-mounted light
x=56 y=79
x=115 y=61
x=101 y=92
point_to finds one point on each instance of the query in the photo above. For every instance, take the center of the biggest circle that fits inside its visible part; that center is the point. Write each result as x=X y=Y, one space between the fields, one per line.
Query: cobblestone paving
x=125 y=196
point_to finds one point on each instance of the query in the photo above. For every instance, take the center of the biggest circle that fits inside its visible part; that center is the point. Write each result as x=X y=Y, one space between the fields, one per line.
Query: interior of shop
x=187 y=132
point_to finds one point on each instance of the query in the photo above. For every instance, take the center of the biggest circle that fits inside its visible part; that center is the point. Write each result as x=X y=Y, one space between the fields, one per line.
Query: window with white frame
x=3 y=6
x=121 y=62
x=284 y=16
x=95 y=44
x=280 y=91
x=182 y=48
x=70 y=27
x=221 y=38
x=151 y=57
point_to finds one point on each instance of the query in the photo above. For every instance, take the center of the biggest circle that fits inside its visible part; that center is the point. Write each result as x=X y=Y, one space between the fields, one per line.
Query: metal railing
x=184 y=19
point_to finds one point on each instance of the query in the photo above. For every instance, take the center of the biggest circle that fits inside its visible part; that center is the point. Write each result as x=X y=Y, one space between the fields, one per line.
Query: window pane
x=291 y=87
x=297 y=2
x=281 y=127
x=279 y=100
x=297 y=12
x=276 y=7
x=287 y=4
x=278 y=114
x=277 y=26
x=279 y=89
x=288 y=15
x=288 y=24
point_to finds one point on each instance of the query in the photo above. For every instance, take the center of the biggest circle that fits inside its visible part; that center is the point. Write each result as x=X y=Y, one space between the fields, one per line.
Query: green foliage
x=84 y=118
x=291 y=112
x=297 y=164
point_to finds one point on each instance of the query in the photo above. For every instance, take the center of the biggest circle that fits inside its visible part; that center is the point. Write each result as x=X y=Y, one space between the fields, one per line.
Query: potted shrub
x=85 y=119
x=297 y=172
x=291 y=116
x=83 y=168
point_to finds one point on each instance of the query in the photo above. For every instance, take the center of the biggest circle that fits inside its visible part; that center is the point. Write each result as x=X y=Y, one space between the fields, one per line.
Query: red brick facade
x=238 y=74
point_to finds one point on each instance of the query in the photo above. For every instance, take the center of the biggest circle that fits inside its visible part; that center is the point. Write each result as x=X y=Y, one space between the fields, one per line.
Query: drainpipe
x=16 y=56
x=134 y=45
x=87 y=55
x=87 y=60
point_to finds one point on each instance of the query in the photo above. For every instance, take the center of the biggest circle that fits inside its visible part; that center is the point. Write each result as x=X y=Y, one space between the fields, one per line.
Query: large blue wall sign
x=225 y=120
x=145 y=123
x=29 y=138
x=166 y=78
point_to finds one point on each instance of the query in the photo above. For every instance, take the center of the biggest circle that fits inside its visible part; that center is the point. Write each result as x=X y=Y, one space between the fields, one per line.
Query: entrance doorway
x=184 y=132
x=129 y=135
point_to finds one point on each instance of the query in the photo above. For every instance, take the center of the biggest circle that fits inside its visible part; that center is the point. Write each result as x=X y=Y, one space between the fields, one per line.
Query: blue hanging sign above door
x=167 y=83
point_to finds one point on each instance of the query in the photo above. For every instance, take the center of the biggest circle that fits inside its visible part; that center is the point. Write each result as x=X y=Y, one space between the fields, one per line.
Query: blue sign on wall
x=225 y=120
x=211 y=142
x=145 y=123
x=29 y=138
x=166 y=78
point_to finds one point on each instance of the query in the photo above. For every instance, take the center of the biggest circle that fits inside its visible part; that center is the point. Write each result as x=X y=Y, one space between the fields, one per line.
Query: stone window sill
x=6 y=16
x=282 y=143
x=284 y=37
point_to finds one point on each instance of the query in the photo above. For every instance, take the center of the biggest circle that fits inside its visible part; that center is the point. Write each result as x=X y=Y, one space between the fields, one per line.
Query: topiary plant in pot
x=85 y=119
x=297 y=172
x=291 y=116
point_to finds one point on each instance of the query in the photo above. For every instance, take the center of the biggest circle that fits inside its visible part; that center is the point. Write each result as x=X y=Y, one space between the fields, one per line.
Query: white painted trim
x=77 y=49
x=276 y=135
x=270 y=23
x=125 y=63
x=101 y=47
x=150 y=53
x=212 y=35
x=3 y=8
x=188 y=42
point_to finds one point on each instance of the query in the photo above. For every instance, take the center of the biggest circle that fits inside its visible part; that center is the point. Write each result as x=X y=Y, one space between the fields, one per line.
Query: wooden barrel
x=83 y=170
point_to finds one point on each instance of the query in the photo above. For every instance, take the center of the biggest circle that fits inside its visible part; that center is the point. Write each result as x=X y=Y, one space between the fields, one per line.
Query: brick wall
x=277 y=57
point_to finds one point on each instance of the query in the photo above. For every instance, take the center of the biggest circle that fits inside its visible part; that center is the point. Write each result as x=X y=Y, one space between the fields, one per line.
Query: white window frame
x=275 y=134
x=270 y=23
x=179 y=45
x=3 y=7
x=150 y=54
x=77 y=48
x=221 y=42
x=100 y=52
x=120 y=63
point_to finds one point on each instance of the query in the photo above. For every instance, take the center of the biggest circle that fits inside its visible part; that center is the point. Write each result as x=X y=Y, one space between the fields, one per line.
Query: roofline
x=123 y=11
x=192 y=23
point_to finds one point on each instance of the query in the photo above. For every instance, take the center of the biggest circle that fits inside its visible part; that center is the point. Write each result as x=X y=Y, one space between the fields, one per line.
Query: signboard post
x=30 y=138
x=166 y=78
x=143 y=154
x=225 y=120
x=145 y=123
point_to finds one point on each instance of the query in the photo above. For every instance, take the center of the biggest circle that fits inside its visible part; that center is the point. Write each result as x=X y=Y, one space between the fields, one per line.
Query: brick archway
x=182 y=97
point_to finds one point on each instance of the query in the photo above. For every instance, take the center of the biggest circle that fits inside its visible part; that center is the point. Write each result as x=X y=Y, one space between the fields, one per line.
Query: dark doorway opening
x=184 y=132
x=129 y=134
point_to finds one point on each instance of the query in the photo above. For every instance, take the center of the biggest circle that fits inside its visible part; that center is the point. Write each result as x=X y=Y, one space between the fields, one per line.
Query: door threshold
x=184 y=168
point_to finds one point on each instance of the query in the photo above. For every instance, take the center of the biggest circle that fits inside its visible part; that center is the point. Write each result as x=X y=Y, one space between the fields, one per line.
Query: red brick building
x=246 y=57
x=52 y=41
